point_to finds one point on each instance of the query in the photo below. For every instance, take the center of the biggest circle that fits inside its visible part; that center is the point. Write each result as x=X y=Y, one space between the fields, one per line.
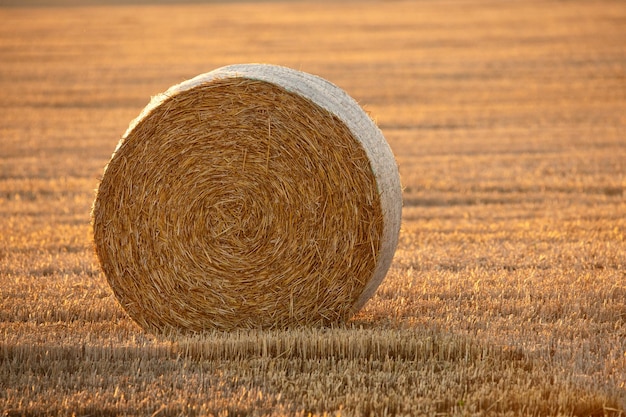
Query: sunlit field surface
x=507 y=295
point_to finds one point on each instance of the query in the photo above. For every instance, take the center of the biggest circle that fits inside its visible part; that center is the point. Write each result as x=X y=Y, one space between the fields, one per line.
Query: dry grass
x=508 y=291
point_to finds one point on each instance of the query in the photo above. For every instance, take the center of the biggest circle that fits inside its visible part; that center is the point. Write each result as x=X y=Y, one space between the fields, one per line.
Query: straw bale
x=253 y=196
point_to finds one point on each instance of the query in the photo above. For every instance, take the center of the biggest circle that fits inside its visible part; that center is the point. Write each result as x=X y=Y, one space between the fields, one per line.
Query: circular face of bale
x=253 y=196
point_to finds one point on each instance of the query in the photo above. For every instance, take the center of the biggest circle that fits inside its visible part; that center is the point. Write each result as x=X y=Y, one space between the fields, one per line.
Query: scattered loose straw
x=253 y=196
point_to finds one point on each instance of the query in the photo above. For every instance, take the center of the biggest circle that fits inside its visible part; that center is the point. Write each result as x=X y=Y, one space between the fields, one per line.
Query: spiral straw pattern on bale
x=237 y=200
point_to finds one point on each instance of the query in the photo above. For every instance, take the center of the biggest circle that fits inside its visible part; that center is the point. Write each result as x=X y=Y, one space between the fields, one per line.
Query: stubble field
x=507 y=295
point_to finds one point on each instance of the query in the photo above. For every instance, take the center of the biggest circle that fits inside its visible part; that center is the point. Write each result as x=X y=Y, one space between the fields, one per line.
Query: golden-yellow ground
x=507 y=294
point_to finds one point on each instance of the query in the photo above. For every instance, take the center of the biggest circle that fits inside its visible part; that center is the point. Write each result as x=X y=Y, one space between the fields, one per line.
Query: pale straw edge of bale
x=333 y=99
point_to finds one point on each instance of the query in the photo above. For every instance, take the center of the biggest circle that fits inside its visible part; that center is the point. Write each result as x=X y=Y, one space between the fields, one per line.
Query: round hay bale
x=253 y=196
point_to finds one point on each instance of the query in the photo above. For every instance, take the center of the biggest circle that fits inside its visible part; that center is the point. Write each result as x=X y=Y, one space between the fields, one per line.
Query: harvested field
x=507 y=294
